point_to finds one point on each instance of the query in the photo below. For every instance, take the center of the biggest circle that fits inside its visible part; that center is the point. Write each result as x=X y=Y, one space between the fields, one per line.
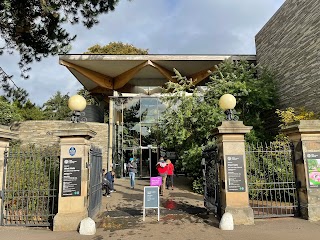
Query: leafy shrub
x=290 y=115
x=31 y=181
x=270 y=167
x=197 y=185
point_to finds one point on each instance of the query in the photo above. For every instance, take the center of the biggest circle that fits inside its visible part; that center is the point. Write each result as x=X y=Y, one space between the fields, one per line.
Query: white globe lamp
x=77 y=104
x=227 y=102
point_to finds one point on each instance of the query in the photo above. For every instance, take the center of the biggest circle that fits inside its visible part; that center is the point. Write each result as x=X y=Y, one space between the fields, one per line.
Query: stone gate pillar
x=233 y=174
x=74 y=176
x=5 y=136
x=305 y=136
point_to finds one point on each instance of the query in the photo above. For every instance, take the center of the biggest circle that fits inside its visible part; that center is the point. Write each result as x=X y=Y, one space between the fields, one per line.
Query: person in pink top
x=170 y=167
x=162 y=171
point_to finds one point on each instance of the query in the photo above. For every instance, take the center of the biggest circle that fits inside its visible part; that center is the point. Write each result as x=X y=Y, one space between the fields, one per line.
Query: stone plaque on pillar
x=71 y=179
x=235 y=173
x=313 y=164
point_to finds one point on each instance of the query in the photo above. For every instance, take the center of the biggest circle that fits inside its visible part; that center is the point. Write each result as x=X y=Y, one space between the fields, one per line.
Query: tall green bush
x=193 y=112
x=32 y=174
x=269 y=169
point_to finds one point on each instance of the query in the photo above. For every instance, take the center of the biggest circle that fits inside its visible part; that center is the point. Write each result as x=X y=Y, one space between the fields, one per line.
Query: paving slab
x=182 y=216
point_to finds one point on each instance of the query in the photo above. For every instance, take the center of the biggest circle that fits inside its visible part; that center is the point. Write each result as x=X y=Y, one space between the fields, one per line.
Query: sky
x=162 y=27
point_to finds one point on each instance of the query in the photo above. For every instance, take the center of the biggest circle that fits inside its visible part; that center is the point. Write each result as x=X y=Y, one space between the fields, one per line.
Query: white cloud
x=163 y=27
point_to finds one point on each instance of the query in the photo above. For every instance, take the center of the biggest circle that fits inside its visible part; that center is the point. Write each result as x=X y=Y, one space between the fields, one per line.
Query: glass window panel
x=131 y=110
x=131 y=134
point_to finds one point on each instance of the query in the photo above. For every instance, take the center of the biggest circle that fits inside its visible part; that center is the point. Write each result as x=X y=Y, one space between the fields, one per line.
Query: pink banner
x=155 y=181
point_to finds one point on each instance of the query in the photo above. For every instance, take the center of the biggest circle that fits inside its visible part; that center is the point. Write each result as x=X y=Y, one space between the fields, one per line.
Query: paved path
x=182 y=217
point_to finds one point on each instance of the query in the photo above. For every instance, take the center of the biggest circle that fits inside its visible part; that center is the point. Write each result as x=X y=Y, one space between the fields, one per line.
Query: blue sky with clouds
x=163 y=27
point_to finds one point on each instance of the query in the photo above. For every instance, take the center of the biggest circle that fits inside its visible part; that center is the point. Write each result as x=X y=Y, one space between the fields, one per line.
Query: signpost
x=235 y=173
x=151 y=199
x=71 y=179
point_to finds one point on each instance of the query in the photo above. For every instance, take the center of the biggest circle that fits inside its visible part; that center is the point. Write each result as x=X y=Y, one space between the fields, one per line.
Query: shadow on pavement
x=124 y=208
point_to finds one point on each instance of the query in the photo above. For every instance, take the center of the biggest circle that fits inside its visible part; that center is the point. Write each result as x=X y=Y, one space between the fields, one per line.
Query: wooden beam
x=132 y=89
x=98 y=90
x=100 y=79
x=124 y=78
x=165 y=72
x=200 y=76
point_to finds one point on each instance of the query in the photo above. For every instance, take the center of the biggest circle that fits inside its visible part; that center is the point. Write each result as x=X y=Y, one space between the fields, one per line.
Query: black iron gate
x=29 y=193
x=210 y=168
x=271 y=180
x=95 y=184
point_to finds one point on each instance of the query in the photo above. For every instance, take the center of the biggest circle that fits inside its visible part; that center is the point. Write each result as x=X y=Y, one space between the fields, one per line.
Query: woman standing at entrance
x=132 y=169
x=162 y=171
x=170 y=167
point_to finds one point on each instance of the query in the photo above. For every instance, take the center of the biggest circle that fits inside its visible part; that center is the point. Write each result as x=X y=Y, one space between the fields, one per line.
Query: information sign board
x=71 y=178
x=235 y=173
x=151 y=199
x=313 y=164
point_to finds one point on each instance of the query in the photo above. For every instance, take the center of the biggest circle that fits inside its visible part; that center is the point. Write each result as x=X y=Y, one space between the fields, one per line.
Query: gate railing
x=30 y=181
x=210 y=169
x=95 y=184
x=271 y=179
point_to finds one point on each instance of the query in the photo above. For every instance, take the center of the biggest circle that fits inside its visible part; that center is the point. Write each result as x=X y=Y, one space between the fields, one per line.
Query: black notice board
x=151 y=197
x=235 y=173
x=71 y=177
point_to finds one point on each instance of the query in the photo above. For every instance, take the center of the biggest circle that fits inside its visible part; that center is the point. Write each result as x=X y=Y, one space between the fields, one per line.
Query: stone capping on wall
x=232 y=127
x=303 y=126
x=6 y=133
x=75 y=133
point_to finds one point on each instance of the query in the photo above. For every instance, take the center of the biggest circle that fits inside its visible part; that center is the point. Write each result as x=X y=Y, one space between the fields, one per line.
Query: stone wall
x=289 y=44
x=41 y=132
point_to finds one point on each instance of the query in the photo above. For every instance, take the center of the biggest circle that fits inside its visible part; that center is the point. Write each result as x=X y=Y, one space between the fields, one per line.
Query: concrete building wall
x=289 y=44
x=41 y=132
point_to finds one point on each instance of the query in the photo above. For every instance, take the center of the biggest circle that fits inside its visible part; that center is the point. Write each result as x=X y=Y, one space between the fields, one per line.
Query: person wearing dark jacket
x=106 y=184
x=132 y=169
x=110 y=178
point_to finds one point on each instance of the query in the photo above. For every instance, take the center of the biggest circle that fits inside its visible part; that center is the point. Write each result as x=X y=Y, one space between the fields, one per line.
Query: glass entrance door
x=136 y=130
x=147 y=161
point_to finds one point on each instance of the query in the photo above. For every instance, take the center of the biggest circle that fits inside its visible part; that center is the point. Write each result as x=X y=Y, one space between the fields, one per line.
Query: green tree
x=116 y=48
x=8 y=113
x=56 y=108
x=89 y=98
x=11 y=92
x=192 y=113
x=30 y=111
x=36 y=28
x=254 y=89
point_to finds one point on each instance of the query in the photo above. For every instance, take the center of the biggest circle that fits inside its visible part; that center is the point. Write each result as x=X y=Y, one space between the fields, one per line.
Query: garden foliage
x=32 y=178
x=192 y=112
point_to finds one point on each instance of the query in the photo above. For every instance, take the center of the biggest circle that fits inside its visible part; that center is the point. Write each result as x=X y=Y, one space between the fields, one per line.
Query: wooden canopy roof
x=144 y=74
